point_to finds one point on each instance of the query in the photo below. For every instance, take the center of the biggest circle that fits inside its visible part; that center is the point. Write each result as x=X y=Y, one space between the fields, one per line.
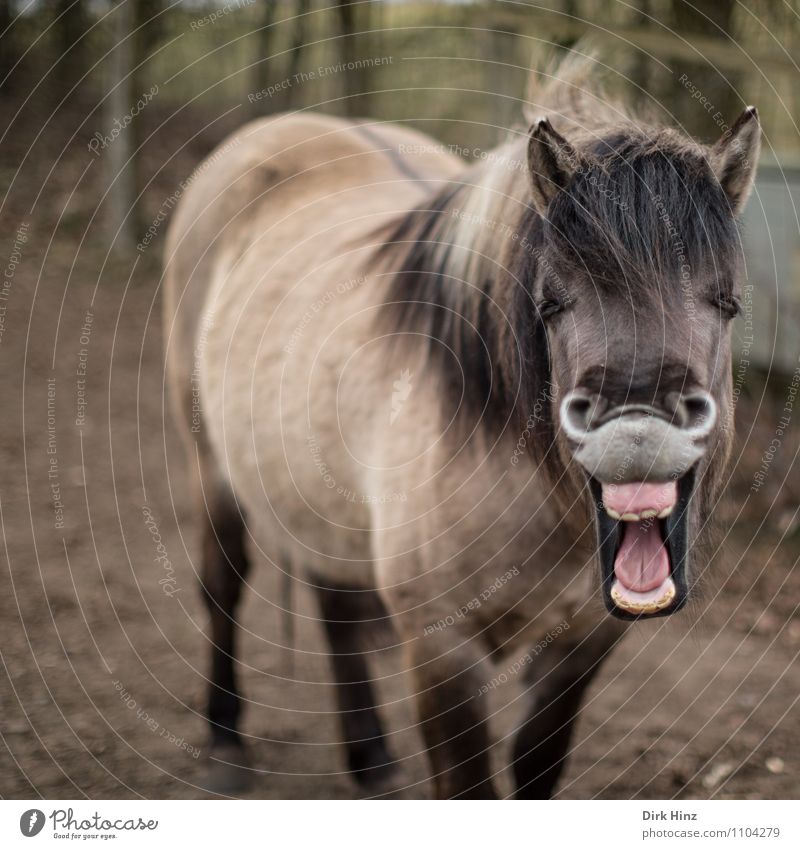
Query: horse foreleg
x=453 y=715
x=345 y=613
x=563 y=672
x=225 y=567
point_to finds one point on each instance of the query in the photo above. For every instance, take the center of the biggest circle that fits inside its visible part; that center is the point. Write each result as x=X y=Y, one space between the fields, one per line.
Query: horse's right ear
x=735 y=156
x=552 y=162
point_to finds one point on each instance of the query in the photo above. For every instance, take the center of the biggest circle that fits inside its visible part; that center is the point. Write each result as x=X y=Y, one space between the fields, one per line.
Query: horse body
x=337 y=399
x=360 y=500
x=279 y=250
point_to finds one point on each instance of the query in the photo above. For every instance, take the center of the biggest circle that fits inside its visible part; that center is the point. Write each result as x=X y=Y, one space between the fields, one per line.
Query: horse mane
x=461 y=267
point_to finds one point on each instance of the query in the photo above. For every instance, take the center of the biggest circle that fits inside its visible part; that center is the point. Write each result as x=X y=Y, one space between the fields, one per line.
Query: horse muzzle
x=641 y=465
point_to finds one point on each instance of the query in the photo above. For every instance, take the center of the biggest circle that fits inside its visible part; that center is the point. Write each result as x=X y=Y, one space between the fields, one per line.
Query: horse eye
x=550 y=307
x=728 y=304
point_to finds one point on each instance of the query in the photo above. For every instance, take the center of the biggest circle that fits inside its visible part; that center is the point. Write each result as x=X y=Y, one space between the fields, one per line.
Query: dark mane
x=455 y=318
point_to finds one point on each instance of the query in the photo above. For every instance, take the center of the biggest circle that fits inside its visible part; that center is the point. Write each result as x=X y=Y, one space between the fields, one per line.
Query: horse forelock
x=644 y=211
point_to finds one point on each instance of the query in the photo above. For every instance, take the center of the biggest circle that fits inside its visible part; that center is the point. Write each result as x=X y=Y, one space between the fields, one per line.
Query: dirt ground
x=104 y=646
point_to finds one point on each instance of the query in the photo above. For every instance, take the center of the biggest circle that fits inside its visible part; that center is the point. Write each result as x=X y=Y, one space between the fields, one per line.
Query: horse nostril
x=696 y=412
x=578 y=411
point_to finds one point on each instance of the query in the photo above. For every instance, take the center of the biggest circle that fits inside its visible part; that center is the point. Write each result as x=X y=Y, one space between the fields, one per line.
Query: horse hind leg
x=224 y=570
x=346 y=614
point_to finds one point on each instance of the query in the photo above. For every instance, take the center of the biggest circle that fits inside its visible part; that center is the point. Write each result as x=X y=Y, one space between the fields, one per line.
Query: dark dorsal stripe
x=398 y=160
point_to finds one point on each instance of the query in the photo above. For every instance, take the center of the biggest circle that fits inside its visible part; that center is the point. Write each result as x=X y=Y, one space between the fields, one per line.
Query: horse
x=486 y=406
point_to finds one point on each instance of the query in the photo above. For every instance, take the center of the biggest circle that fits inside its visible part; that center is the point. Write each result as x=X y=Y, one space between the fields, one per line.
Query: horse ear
x=735 y=156
x=552 y=162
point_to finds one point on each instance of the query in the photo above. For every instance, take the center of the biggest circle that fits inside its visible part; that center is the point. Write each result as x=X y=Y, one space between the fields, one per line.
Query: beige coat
x=334 y=450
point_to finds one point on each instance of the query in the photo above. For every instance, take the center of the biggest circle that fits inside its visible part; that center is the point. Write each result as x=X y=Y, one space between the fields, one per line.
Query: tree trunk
x=120 y=150
x=263 y=70
x=72 y=23
x=148 y=23
x=149 y=31
x=355 y=80
x=723 y=103
x=292 y=96
x=640 y=72
x=8 y=44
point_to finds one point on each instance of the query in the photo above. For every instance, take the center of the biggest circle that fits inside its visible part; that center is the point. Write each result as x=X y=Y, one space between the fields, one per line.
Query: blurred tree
x=271 y=34
x=9 y=52
x=640 y=71
x=149 y=32
x=148 y=23
x=300 y=24
x=711 y=19
x=263 y=70
x=120 y=158
x=353 y=16
x=571 y=12
x=500 y=39
x=71 y=23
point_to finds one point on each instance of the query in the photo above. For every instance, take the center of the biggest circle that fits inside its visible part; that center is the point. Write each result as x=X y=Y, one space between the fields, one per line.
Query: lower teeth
x=646 y=606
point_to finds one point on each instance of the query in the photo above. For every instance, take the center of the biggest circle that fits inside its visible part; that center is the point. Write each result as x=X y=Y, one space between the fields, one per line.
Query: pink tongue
x=638 y=497
x=642 y=562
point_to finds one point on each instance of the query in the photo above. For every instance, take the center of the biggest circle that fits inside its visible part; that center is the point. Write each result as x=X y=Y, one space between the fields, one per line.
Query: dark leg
x=452 y=714
x=344 y=612
x=542 y=743
x=225 y=567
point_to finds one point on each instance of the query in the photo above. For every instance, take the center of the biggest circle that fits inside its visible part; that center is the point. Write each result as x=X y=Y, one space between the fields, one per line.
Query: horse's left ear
x=552 y=162
x=735 y=156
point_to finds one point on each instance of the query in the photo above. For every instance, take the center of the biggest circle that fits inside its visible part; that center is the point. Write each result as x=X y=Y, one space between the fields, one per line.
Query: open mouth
x=643 y=541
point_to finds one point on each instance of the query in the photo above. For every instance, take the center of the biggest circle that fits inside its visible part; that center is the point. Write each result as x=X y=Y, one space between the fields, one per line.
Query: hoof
x=228 y=770
x=372 y=767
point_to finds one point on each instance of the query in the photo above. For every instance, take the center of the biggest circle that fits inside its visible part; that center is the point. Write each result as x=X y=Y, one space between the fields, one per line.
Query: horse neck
x=471 y=232
x=452 y=269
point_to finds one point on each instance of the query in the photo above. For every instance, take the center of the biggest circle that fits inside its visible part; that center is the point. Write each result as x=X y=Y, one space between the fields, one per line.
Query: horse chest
x=526 y=601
